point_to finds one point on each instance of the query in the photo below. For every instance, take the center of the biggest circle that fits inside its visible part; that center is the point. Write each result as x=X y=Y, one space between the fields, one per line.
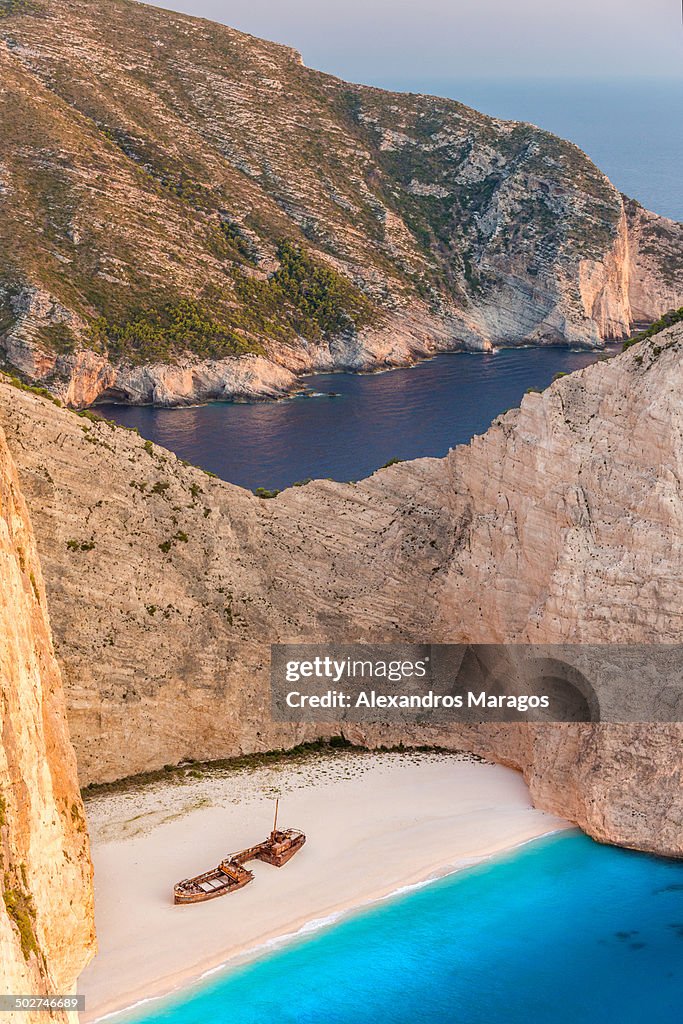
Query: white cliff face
x=560 y=524
x=46 y=909
x=604 y=288
x=570 y=516
x=576 y=509
x=654 y=273
x=186 y=382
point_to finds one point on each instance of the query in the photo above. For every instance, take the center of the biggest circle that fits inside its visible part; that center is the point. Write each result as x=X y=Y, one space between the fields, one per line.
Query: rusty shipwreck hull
x=231 y=874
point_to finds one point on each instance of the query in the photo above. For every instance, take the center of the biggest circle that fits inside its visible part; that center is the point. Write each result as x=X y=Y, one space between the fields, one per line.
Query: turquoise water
x=564 y=930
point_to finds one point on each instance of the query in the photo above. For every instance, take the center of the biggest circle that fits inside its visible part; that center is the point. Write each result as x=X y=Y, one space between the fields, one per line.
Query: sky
x=392 y=42
x=607 y=74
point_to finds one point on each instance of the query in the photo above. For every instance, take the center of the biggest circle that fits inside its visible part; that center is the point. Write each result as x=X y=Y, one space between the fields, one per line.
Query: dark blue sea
x=407 y=413
x=631 y=129
x=563 y=931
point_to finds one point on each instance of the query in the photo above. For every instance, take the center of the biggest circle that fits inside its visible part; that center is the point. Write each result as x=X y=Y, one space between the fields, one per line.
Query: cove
x=563 y=930
x=406 y=413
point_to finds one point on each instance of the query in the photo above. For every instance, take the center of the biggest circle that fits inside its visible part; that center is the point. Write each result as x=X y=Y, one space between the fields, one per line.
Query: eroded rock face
x=183 y=383
x=561 y=524
x=46 y=913
x=620 y=783
x=653 y=243
x=152 y=158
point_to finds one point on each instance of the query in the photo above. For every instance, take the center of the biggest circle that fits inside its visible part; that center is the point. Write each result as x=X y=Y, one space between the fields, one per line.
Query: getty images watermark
x=443 y=683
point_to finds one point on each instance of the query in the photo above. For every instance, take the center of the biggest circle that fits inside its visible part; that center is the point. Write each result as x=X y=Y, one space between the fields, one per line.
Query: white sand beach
x=375 y=823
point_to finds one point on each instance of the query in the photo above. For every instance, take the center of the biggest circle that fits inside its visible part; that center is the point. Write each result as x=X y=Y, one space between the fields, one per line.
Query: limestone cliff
x=561 y=523
x=46 y=913
x=189 y=213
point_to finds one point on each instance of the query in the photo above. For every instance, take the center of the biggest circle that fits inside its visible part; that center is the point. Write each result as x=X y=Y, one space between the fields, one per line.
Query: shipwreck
x=231 y=874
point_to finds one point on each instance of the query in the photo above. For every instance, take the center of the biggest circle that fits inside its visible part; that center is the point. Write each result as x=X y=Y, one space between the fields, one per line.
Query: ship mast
x=277 y=801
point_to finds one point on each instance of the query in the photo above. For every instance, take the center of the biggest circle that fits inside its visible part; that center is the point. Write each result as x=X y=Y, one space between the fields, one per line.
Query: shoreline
x=242 y=957
x=299 y=391
x=452 y=813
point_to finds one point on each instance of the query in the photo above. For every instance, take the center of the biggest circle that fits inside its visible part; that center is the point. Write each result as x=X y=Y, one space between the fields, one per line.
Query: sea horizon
x=624 y=124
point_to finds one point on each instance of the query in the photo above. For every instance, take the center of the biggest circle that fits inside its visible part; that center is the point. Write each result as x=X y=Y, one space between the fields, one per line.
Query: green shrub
x=21 y=911
x=229 y=242
x=160 y=333
x=340 y=741
x=674 y=316
x=76 y=545
x=304 y=297
x=31 y=388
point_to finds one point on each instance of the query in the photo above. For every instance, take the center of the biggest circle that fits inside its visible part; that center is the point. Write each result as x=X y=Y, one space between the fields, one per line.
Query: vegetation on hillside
x=303 y=298
x=33 y=389
x=9 y=7
x=310 y=298
x=159 y=334
x=674 y=316
x=20 y=910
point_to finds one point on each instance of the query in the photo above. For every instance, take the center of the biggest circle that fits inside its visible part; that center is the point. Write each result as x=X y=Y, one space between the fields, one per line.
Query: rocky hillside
x=561 y=523
x=46 y=910
x=187 y=212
